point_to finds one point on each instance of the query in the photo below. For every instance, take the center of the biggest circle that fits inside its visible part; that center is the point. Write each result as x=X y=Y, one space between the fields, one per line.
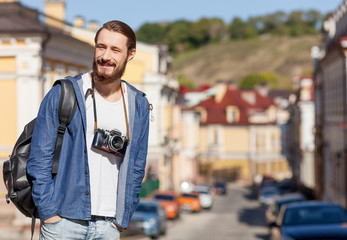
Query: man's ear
x=131 y=54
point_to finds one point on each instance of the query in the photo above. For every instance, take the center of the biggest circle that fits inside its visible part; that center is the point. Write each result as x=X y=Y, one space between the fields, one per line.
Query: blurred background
x=245 y=96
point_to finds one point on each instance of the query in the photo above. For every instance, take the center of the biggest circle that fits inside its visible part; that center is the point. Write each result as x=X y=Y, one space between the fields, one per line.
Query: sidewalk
x=9 y=230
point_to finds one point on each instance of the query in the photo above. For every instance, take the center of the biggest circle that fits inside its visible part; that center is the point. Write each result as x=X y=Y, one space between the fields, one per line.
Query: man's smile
x=105 y=64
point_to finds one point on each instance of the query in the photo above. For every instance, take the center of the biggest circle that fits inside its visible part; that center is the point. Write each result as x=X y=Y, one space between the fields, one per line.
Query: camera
x=110 y=141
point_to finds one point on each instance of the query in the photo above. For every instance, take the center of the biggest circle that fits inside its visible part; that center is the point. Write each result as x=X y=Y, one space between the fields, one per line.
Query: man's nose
x=106 y=55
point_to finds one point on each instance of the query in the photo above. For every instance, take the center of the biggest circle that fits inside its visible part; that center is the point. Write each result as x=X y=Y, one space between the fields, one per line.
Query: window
x=232 y=114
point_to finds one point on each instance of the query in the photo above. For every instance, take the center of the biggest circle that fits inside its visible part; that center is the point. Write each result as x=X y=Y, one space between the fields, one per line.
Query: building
x=306 y=108
x=330 y=83
x=189 y=131
x=299 y=136
x=239 y=137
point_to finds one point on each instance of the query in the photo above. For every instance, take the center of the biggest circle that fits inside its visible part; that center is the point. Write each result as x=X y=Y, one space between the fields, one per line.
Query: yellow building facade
x=29 y=64
x=8 y=104
x=239 y=138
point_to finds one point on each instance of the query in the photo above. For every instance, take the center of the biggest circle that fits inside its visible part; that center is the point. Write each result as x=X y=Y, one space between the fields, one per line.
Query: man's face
x=110 y=56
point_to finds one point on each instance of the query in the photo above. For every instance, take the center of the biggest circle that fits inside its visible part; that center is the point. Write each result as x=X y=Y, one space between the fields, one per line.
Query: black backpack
x=14 y=169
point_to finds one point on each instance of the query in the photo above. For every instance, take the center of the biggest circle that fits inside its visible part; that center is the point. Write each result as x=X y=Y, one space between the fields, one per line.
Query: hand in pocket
x=52 y=219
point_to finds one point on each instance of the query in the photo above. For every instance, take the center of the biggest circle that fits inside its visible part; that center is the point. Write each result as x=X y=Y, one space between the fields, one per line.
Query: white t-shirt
x=103 y=166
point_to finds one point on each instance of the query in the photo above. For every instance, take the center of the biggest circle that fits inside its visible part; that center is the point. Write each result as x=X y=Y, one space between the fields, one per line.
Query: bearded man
x=104 y=149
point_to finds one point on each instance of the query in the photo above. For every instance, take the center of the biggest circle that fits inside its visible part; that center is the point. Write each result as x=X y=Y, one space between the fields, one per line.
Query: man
x=96 y=189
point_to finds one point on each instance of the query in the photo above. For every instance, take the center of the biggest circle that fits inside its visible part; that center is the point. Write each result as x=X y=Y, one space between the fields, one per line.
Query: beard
x=105 y=78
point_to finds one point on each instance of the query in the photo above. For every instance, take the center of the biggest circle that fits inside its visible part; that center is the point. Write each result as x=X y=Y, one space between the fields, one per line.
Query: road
x=235 y=216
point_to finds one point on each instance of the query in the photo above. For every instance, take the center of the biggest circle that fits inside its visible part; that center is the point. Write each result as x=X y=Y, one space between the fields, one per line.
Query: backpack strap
x=33 y=220
x=66 y=110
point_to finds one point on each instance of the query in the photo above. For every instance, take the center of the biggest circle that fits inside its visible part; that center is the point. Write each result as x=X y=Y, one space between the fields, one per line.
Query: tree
x=273 y=23
x=151 y=33
x=184 y=35
x=314 y=20
x=178 y=36
x=217 y=30
x=253 y=80
x=207 y=31
x=184 y=81
x=237 y=28
x=199 y=32
x=250 y=81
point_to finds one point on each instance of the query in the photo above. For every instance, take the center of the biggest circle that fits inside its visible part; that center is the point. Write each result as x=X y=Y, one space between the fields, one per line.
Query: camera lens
x=116 y=143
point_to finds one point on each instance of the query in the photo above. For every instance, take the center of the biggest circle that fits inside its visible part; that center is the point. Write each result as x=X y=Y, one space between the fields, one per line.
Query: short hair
x=120 y=27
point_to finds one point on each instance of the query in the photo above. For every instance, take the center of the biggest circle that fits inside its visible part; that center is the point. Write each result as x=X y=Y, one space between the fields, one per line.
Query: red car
x=169 y=201
x=190 y=201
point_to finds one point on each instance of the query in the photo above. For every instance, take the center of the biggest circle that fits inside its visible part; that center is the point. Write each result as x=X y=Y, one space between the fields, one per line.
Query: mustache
x=102 y=61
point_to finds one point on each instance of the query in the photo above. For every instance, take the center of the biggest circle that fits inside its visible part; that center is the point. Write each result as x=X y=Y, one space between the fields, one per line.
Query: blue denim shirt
x=68 y=194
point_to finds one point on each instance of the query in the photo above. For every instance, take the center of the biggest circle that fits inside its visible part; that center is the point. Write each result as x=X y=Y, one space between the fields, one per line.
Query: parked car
x=310 y=220
x=277 y=202
x=268 y=193
x=149 y=218
x=267 y=181
x=220 y=188
x=190 y=202
x=205 y=196
x=169 y=201
x=286 y=186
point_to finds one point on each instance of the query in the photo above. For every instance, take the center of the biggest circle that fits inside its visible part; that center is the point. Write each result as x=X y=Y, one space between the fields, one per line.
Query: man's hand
x=52 y=219
x=119 y=228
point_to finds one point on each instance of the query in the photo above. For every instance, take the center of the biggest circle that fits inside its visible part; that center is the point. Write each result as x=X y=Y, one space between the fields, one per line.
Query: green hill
x=286 y=57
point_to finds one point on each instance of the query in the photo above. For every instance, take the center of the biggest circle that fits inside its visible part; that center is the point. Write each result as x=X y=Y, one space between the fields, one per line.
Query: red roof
x=184 y=89
x=216 y=112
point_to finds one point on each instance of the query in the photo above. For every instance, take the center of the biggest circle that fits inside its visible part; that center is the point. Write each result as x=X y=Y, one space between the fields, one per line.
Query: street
x=235 y=216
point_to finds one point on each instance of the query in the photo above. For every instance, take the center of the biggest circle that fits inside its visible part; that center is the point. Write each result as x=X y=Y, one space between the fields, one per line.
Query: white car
x=206 y=196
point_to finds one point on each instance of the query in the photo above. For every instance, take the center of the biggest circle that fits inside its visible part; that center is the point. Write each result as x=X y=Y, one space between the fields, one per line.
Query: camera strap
x=91 y=91
x=125 y=112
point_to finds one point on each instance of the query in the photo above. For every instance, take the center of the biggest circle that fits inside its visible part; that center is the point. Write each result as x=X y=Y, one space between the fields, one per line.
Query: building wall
x=334 y=171
x=307 y=174
x=56 y=10
x=330 y=69
x=19 y=62
x=247 y=152
x=187 y=128
x=236 y=140
x=318 y=130
x=265 y=153
x=8 y=127
x=134 y=72
x=20 y=76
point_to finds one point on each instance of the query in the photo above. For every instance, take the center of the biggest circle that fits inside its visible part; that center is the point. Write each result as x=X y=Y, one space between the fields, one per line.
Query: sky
x=137 y=12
